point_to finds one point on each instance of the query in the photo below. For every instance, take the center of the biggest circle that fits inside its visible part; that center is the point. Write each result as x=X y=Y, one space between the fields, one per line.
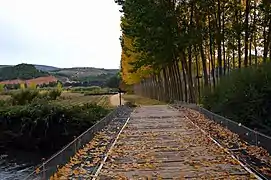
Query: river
x=16 y=165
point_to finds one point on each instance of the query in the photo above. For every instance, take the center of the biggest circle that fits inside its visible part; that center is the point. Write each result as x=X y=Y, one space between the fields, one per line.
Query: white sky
x=62 y=33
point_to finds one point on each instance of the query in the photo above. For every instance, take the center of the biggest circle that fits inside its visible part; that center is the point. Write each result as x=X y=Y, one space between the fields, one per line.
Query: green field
x=68 y=98
x=4 y=97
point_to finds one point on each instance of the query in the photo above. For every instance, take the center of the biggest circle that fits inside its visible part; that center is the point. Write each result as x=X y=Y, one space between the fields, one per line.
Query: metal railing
x=49 y=167
x=250 y=136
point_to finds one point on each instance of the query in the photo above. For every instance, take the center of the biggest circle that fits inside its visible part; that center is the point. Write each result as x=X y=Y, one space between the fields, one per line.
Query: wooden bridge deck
x=161 y=143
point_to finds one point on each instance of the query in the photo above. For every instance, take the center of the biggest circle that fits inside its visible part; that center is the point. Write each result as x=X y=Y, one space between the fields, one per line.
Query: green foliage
x=2 y=87
x=59 y=86
x=54 y=94
x=50 y=84
x=12 y=86
x=113 y=82
x=244 y=96
x=24 y=96
x=95 y=88
x=33 y=86
x=46 y=126
x=21 y=71
x=22 y=86
x=2 y=103
x=43 y=95
x=92 y=89
x=152 y=27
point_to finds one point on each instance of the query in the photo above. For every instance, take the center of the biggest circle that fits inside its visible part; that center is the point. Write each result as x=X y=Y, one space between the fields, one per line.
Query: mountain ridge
x=54 y=68
x=87 y=75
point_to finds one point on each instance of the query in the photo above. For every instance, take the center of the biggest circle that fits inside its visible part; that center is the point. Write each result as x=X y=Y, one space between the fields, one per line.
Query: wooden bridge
x=156 y=142
x=161 y=143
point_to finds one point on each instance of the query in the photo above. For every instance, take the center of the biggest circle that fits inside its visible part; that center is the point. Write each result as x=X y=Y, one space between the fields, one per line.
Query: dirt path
x=161 y=143
x=115 y=101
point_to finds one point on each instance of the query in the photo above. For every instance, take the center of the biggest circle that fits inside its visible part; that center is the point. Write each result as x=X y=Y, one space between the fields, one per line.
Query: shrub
x=22 y=86
x=2 y=103
x=43 y=95
x=54 y=94
x=46 y=126
x=9 y=92
x=2 y=88
x=24 y=96
x=243 y=96
x=32 y=86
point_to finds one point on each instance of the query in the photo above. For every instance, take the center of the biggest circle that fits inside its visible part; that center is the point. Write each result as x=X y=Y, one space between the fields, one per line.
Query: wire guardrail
x=49 y=167
x=250 y=136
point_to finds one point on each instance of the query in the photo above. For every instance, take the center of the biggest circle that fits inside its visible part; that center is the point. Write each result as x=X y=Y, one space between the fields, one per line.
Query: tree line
x=21 y=71
x=171 y=49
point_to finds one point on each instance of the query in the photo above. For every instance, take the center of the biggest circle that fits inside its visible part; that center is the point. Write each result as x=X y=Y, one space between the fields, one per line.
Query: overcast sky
x=62 y=33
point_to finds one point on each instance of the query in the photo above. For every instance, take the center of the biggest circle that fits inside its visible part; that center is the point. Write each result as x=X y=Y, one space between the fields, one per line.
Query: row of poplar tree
x=172 y=49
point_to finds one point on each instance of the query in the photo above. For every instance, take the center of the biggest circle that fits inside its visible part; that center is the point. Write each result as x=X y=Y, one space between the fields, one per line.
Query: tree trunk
x=238 y=15
x=165 y=82
x=246 y=32
x=233 y=59
x=198 y=81
x=239 y=53
x=250 y=54
x=161 y=83
x=229 y=66
x=176 y=79
x=190 y=80
x=223 y=42
x=185 y=83
x=265 y=49
x=203 y=58
x=211 y=51
x=256 y=52
x=173 y=83
x=219 y=58
x=168 y=87
x=177 y=69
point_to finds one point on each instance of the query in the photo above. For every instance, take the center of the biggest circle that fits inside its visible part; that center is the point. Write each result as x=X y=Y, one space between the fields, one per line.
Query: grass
x=4 y=97
x=104 y=101
x=68 y=98
x=138 y=100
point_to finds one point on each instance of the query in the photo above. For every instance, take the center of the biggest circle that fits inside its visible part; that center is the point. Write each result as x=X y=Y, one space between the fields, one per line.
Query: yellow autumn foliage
x=129 y=56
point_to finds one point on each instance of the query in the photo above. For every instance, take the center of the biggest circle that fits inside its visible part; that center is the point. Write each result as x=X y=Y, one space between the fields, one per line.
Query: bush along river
x=33 y=131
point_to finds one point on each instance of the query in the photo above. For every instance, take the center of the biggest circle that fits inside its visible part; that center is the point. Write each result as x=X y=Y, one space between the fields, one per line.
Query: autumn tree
x=189 y=45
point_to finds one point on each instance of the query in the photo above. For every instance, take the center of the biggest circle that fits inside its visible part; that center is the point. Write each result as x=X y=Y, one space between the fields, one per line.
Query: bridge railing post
x=120 y=97
x=256 y=136
x=75 y=144
x=43 y=170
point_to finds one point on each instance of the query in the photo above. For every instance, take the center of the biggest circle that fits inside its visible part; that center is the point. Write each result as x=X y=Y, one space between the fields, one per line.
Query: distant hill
x=83 y=75
x=46 y=68
x=21 y=71
x=1 y=66
x=39 y=67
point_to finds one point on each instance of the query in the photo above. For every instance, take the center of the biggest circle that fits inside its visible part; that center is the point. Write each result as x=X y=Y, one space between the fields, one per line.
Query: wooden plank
x=159 y=141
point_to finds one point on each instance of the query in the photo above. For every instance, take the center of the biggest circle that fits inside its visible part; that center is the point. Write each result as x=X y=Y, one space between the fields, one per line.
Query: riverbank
x=33 y=127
